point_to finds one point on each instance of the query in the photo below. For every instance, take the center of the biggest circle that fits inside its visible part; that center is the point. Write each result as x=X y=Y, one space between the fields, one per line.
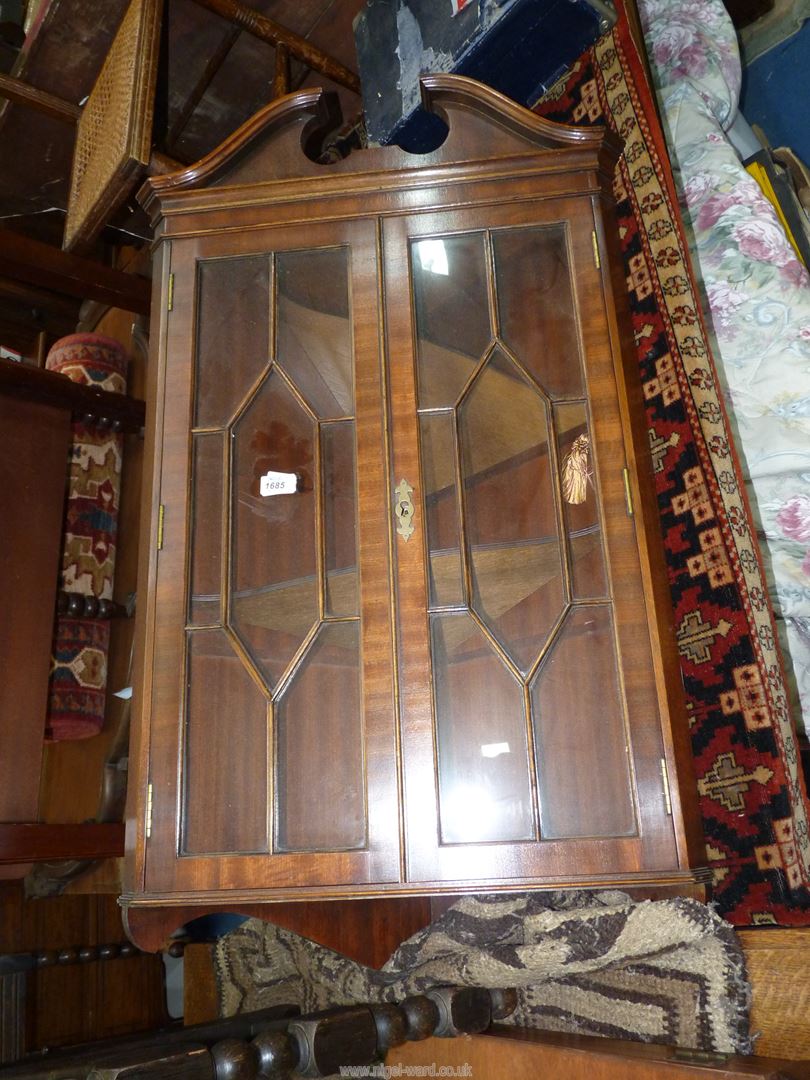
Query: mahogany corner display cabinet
x=404 y=625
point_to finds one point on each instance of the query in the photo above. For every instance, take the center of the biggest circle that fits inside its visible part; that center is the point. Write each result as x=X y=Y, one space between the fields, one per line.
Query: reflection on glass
x=452 y=314
x=234 y=307
x=206 y=529
x=320 y=782
x=579 y=732
x=314 y=335
x=441 y=509
x=514 y=547
x=340 y=518
x=485 y=791
x=274 y=581
x=536 y=306
x=581 y=518
x=225 y=761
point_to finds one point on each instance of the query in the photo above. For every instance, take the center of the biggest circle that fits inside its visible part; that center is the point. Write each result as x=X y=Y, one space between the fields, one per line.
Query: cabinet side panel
x=144 y=616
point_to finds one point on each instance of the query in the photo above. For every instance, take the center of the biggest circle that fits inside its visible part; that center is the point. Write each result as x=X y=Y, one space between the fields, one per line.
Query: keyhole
x=403 y=510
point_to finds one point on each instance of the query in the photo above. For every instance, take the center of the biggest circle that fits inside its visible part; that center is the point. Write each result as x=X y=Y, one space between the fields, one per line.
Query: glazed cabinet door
x=271 y=713
x=531 y=735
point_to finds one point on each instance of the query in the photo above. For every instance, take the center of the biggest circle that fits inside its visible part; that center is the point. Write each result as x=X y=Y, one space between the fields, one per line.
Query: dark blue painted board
x=519 y=47
x=776 y=93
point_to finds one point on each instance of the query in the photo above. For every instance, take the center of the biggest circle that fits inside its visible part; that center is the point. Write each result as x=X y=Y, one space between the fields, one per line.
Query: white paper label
x=278 y=483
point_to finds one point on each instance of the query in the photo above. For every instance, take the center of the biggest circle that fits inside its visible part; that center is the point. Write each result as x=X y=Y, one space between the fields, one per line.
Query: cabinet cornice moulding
x=269 y=147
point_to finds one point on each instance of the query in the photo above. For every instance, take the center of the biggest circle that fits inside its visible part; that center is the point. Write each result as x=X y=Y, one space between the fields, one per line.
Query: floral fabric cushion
x=695 y=40
x=756 y=298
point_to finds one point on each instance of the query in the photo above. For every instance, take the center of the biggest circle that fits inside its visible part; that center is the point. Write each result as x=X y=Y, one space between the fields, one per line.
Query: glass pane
x=314 y=328
x=233 y=332
x=485 y=787
x=580 y=506
x=206 y=534
x=579 y=732
x=320 y=782
x=274 y=581
x=536 y=306
x=226 y=750
x=515 y=558
x=441 y=509
x=452 y=314
x=340 y=518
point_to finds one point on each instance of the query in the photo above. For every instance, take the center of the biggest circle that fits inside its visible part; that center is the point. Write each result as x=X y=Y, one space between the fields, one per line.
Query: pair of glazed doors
x=400 y=630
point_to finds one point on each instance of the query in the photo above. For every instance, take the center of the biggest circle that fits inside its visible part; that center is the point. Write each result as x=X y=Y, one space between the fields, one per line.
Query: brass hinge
x=149 y=800
x=665 y=778
x=161 y=513
x=170 y=297
x=596 y=259
x=628 y=491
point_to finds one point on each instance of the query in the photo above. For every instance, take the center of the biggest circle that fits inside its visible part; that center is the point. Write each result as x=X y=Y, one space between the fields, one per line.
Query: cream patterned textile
x=593 y=963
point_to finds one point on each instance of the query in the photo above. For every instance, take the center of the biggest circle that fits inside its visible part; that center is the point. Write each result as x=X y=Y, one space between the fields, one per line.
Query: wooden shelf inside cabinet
x=400 y=602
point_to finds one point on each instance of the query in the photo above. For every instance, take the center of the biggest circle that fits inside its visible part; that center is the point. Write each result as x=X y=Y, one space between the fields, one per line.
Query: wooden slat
x=272 y=32
x=12 y=1016
x=42 y=843
x=41 y=300
x=524 y=1054
x=49 y=387
x=778 y=964
x=281 y=76
x=23 y=94
x=48 y=267
x=200 y=1000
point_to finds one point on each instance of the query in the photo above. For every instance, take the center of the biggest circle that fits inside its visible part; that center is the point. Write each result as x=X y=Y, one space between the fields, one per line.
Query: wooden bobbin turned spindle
x=234 y=1059
x=463 y=1010
x=335 y=1038
x=504 y=1002
x=75 y=605
x=421 y=1017
x=277 y=1054
x=392 y=1027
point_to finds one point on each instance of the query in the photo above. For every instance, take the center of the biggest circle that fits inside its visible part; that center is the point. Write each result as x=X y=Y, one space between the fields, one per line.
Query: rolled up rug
x=78 y=679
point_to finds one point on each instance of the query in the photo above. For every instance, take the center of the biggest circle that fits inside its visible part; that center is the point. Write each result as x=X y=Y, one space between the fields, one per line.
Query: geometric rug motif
x=91 y=521
x=752 y=793
x=78 y=678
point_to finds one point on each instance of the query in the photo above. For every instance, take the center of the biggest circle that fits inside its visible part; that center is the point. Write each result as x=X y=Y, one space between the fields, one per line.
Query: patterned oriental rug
x=753 y=799
x=668 y=971
x=78 y=678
